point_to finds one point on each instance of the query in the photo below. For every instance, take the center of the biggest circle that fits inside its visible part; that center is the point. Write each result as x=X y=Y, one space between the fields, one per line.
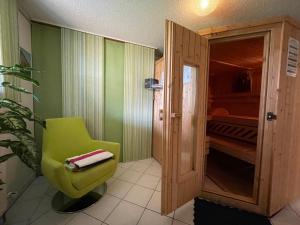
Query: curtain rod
x=104 y=36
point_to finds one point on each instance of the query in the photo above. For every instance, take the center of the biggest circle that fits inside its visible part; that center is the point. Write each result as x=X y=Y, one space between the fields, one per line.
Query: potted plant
x=13 y=118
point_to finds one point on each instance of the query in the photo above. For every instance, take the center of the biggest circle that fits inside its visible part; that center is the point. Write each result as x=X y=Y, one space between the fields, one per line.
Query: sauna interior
x=234 y=90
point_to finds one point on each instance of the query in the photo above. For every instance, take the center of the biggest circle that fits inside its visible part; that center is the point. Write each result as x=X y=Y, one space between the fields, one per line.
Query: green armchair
x=67 y=137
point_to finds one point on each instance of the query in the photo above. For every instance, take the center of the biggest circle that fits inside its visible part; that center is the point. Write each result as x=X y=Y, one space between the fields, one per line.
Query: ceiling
x=142 y=21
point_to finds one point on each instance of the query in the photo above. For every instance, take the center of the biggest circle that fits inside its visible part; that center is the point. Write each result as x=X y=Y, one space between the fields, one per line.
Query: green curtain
x=9 y=41
x=114 y=91
x=46 y=57
x=138 y=102
x=83 y=78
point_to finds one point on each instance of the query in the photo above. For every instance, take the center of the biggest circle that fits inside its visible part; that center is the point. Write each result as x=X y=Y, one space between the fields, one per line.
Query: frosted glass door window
x=189 y=118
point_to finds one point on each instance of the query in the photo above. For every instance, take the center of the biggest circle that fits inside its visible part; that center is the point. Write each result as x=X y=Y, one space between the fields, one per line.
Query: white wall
x=18 y=176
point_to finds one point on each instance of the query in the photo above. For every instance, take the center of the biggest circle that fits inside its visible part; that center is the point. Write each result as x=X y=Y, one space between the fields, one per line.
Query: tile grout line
x=145 y=208
x=110 y=211
x=121 y=199
x=150 y=200
x=117 y=204
x=83 y=212
x=139 y=185
x=295 y=211
x=36 y=208
x=142 y=173
x=157 y=185
x=33 y=221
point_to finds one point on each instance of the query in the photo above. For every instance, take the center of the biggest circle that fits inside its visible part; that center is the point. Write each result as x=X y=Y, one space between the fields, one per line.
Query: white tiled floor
x=133 y=198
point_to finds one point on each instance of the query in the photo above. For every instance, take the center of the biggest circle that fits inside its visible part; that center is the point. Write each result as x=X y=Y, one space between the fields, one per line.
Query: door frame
x=268 y=99
x=262 y=112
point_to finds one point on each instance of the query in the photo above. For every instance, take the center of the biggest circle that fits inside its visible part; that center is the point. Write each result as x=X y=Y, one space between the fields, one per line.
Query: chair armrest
x=51 y=164
x=53 y=170
x=109 y=146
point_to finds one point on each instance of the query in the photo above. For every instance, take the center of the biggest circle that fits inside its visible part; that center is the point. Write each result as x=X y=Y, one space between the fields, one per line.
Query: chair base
x=63 y=204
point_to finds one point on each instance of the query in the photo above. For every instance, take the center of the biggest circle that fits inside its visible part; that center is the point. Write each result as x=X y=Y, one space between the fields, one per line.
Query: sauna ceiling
x=142 y=21
x=240 y=54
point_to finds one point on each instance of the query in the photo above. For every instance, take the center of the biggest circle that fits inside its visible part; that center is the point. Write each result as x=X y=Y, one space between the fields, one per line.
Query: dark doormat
x=208 y=213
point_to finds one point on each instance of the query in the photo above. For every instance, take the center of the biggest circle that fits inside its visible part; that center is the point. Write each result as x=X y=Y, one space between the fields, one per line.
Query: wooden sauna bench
x=233 y=135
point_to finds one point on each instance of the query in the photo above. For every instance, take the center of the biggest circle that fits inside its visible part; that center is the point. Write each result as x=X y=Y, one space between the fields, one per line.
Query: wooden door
x=185 y=91
x=158 y=112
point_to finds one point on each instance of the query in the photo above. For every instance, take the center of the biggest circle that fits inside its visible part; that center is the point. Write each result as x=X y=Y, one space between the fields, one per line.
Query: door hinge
x=176 y=115
x=161 y=114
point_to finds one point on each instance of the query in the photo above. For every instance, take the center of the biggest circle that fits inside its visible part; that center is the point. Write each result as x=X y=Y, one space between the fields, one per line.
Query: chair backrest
x=65 y=137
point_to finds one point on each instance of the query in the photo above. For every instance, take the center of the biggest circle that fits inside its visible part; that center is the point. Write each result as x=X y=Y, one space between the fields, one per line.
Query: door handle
x=176 y=115
x=271 y=116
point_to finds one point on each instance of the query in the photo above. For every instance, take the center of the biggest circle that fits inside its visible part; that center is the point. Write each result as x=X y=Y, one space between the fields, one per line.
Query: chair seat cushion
x=82 y=179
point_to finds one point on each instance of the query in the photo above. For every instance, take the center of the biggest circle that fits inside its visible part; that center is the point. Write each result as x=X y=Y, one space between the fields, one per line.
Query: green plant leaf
x=23 y=77
x=6 y=157
x=16 y=107
x=21 y=110
x=19 y=89
x=13 y=116
x=26 y=151
x=26 y=138
x=12 y=121
x=24 y=148
x=12 y=131
x=27 y=68
x=5 y=143
x=19 y=71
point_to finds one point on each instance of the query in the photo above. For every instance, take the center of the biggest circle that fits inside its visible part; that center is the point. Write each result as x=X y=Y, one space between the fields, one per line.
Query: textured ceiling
x=142 y=21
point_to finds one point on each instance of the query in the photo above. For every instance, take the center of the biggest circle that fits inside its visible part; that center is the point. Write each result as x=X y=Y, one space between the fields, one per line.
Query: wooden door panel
x=158 y=112
x=185 y=116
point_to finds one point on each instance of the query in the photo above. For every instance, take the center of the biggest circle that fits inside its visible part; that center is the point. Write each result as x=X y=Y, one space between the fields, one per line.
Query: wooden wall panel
x=293 y=173
x=285 y=185
x=241 y=104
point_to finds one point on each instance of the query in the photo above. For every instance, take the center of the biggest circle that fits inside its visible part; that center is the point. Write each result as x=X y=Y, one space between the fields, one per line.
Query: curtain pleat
x=83 y=78
x=138 y=102
x=9 y=43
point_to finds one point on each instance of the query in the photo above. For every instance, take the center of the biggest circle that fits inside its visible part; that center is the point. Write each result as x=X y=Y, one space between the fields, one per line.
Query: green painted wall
x=46 y=57
x=114 y=91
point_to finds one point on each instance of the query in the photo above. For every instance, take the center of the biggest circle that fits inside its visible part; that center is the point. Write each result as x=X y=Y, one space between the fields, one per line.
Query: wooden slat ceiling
x=240 y=54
